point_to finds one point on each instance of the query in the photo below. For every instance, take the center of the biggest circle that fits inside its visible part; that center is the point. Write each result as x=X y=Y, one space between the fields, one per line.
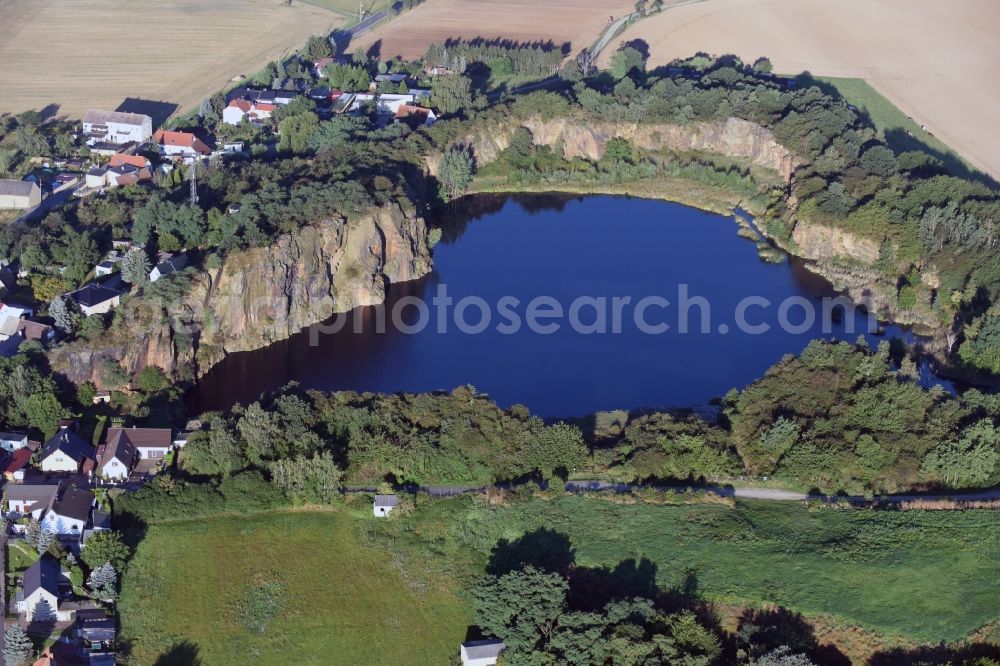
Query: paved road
x=362 y=27
x=55 y=199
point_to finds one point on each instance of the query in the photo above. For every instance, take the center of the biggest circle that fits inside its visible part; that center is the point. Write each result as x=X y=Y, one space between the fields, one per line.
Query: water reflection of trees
x=454 y=218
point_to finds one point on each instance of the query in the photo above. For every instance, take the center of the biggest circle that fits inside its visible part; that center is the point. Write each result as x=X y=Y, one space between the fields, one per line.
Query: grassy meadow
x=339 y=597
x=389 y=591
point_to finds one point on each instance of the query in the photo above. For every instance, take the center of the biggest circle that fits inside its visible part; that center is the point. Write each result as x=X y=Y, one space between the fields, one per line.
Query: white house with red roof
x=183 y=145
x=242 y=109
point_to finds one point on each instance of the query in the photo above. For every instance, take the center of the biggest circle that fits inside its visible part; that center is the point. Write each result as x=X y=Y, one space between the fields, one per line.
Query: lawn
x=343 y=599
x=923 y=575
x=20 y=556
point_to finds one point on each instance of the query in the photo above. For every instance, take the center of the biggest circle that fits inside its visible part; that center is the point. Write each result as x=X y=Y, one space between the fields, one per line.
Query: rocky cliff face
x=588 y=139
x=262 y=295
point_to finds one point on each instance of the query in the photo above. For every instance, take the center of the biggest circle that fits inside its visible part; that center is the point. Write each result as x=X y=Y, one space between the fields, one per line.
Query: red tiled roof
x=264 y=107
x=182 y=139
x=242 y=104
x=17 y=460
x=138 y=161
x=405 y=110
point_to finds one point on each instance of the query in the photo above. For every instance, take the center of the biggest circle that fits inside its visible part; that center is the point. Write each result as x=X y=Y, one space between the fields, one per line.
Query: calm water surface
x=564 y=248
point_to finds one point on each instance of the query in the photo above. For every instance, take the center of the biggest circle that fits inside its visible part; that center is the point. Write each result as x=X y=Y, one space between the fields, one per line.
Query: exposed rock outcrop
x=261 y=295
x=588 y=139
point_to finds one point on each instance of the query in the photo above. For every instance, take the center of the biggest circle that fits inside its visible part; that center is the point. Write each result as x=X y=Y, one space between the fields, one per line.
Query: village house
x=70 y=513
x=424 y=115
x=239 y=110
x=28 y=329
x=11 y=316
x=66 y=452
x=14 y=464
x=96 y=631
x=116 y=127
x=384 y=504
x=117 y=457
x=12 y=441
x=263 y=95
x=481 y=653
x=106 y=267
x=167 y=264
x=21 y=194
x=30 y=499
x=96 y=298
x=150 y=443
x=180 y=145
x=39 y=597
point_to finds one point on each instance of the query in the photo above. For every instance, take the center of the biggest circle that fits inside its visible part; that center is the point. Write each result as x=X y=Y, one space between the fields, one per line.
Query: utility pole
x=194 y=183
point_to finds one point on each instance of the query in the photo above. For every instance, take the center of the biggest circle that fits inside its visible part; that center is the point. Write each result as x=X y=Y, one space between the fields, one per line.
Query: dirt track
x=575 y=21
x=94 y=54
x=937 y=61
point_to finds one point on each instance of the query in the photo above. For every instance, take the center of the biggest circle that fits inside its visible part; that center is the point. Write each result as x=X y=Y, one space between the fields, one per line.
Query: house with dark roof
x=31 y=499
x=39 y=597
x=117 y=457
x=70 y=513
x=167 y=264
x=65 y=452
x=481 y=653
x=20 y=194
x=384 y=504
x=96 y=631
x=12 y=441
x=150 y=443
x=95 y=298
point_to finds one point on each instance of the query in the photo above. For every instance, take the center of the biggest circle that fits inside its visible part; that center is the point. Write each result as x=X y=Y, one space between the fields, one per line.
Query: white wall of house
x=39 y=605
x=178 y=151
x=153 y=452
x=59 y=462
x=62 y=525
x=469 y=661
x=232 y=115
x=22 y=201
x=10 y=444
x=115 y=469
x=101 y=308
x=21 y=507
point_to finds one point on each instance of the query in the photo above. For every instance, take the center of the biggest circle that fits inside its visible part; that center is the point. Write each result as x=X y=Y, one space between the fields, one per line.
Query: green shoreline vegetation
x=228 y=547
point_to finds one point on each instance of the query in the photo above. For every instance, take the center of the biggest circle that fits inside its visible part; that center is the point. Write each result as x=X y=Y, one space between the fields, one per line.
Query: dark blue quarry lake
x=577 y=255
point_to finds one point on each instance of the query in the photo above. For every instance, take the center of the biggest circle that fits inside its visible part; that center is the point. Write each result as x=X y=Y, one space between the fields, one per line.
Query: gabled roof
x=121 y=447
x=74 y=503
x=143 y=437
x=119 y=159
x=96 y=626
x=180 y=139
x=386 y=500
x=33 y=330
x=485 y=649
x=43 y=493
x=44 y=574
x=70 y=444
x=241 y=104
x=16 y=462
x=93 y=294
x=19 y=188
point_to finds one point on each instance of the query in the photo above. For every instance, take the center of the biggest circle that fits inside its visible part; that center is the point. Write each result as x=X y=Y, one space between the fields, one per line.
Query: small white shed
x=384 y=504
x=481 y=653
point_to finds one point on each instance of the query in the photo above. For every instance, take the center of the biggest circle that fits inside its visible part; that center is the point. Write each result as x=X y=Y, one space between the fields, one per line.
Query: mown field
x=340 y=598
x=96 y=54
x=388 y=592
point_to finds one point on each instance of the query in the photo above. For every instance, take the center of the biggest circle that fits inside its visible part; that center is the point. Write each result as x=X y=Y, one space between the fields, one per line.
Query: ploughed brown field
x=97 y=53
x=575 y=21
x=937 y=61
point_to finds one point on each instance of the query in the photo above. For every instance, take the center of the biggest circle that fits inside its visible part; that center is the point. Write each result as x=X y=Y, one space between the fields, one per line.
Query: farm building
x=19 y=194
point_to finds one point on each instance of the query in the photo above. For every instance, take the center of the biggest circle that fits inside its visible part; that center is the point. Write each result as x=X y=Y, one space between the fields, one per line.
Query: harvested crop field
x=95 y=54
x=938 y=61
x=575 y=21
